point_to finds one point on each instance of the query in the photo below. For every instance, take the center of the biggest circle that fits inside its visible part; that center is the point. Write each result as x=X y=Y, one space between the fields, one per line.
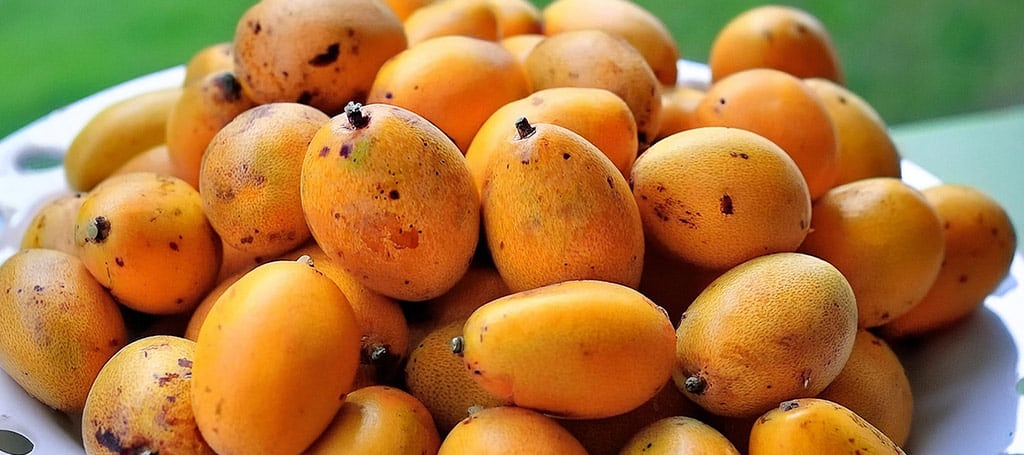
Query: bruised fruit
x=141 y=401
x=407 y=221
x=58 y=326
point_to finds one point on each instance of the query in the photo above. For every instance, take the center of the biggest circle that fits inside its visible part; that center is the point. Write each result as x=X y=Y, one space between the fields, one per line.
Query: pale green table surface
x=984 y=150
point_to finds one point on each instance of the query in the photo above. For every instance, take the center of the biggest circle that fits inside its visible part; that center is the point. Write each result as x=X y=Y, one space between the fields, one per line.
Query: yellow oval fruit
x=516 y=17
x=980 y=242
x=141 y=401
x=783 y=109
x=117 y=133
x=471 y=18
x=777 y=327
x=323 y=53
x=379 y=419
x=439 y=379
x=455 y=82
x=555 y=208
x=598 y=59
x=409 y=222
x=249 y=177
x=875 y=386
x=674 y=435
x=53 y=225
x=204 y=107
x=716 y=197
x=811 y=426
x=864 y=147
x=642 y=29
x=576 y=349
x=601 y=117
x=775 y=36
x=145 y=237
x=509 y=429
x=885 y=238
x=58 y=326
x=273 y=361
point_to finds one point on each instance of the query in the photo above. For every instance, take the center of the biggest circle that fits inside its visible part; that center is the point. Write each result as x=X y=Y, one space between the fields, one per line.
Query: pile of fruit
x=476 y=226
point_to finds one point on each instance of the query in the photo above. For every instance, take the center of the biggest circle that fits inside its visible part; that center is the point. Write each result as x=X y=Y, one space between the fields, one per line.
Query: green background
x=910 y=59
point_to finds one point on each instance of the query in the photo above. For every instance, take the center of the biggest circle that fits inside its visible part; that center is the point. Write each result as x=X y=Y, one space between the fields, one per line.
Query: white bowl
x=964 y=378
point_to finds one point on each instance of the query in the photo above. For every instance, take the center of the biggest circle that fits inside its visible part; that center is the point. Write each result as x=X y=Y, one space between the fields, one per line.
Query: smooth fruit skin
x=980 y=244
x=510 y=430
x=379 y=419
x=53 y=225
x=775 y=36
x=675 y=435
x=875 y=386
x=58 y=326
x=116 y=134
x=811 y=426
x=392 y=201
x=576 y=349
x=776 y=327
x=141 y=401
x=885 y=238
x=274 y=359
x=555 y=208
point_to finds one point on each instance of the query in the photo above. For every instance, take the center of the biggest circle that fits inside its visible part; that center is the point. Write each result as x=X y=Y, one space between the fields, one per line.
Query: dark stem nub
x=524 y=128
x=97 y=230
x=789 y=405
x=377 y=353
x=354 y=112
x=458 y=344
x=695 y=385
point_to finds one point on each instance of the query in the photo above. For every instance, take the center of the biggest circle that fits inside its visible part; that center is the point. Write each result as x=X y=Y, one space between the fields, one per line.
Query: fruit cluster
x=476 y=226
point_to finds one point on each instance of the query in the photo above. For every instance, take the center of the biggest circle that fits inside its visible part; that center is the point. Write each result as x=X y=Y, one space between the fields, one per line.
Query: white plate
x=964 y=378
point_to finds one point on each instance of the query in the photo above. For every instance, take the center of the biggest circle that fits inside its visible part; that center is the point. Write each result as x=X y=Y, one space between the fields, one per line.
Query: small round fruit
x=210 y=59
x=776 y=327
x=980 y=244
x=509 y=429
x=782 y=108
x=875 y=386
x=885 y=238
x=249 y=178
x=674 y=435
x=775 y=36
x=716 y=197
x=145 y=237
x=149 y=380
x=379 y=419
x=274 y=359
x=576 y=349
x=323 y=53
x=58 y=326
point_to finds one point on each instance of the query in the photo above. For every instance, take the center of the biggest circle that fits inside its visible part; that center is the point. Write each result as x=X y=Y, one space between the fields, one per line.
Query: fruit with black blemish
x=810 y=426
x=145 y=237
x=409 y=223
x=58 y=326
x=149 y=380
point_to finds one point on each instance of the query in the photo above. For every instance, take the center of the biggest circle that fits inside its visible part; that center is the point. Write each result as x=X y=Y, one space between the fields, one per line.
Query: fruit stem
x=97 y=230
x=458 y=344
x=695 y=385
x=354 y=112
x=524 y=128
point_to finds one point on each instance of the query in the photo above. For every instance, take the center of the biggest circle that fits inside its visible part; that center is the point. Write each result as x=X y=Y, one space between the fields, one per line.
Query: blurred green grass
x=911 y=60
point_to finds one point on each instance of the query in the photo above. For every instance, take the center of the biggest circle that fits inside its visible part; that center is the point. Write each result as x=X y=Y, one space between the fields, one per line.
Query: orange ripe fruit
x=885 y=238
x=509 y=429
x=775 y=36
x=783 y=109
x=716 y=197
